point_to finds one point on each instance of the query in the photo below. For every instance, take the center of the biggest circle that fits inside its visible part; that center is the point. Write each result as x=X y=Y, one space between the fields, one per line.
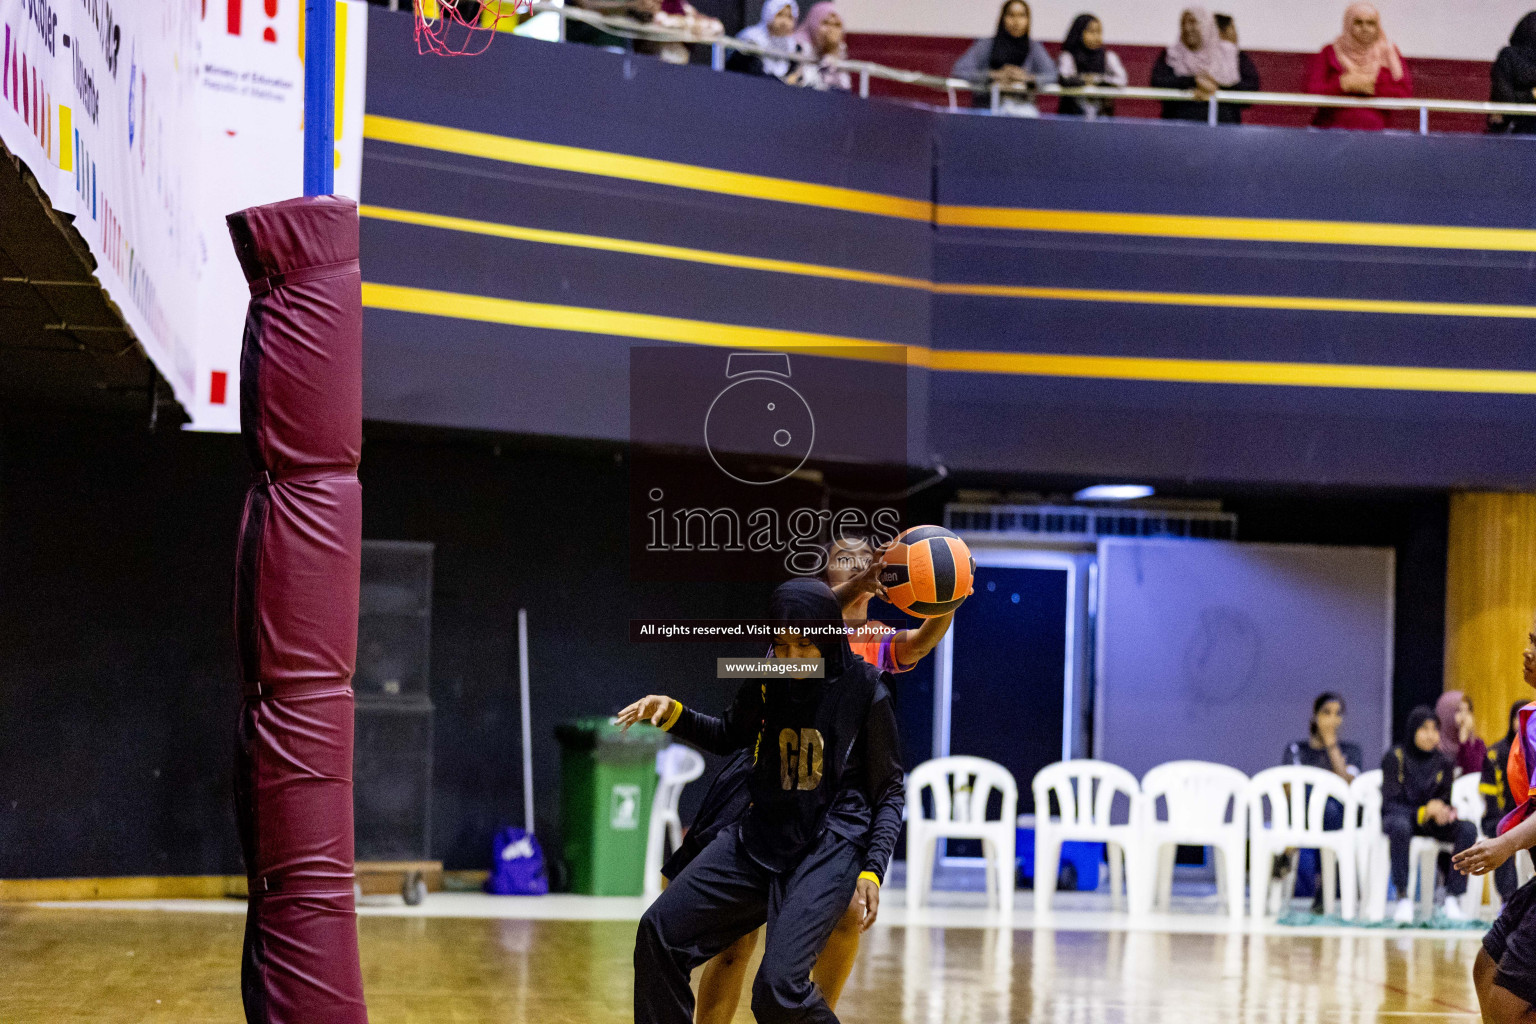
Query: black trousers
x=719 y=897
x=1401 y=829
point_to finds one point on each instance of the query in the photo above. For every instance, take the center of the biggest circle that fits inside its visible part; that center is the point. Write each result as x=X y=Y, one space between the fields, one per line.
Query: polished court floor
x=452 y=962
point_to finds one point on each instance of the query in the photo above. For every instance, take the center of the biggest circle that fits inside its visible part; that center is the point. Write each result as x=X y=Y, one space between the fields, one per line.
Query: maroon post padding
x=296 y=589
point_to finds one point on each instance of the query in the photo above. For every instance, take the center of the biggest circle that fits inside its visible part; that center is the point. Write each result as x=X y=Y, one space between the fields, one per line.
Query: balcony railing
x=952 y=88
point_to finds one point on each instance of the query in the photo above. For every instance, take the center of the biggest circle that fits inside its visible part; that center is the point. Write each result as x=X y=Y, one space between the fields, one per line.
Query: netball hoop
x=465 y=28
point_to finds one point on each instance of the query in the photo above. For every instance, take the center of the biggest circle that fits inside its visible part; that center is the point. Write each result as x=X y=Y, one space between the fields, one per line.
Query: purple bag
x=517 y=865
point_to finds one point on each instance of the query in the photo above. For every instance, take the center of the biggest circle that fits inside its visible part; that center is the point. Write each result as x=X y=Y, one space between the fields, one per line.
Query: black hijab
x=811 y=603
x=1087 y=61
x=1417 y=717
x=1522 y=50
x=1006 y=49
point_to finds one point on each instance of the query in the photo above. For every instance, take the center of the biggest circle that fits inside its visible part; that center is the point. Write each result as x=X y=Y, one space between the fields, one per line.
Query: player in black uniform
x=825 y=801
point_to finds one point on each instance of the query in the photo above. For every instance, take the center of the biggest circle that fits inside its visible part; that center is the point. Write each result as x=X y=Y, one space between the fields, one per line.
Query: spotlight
x=1114 y=492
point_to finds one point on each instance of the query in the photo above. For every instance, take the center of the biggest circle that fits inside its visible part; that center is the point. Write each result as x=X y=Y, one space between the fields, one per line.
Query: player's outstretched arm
x=737 y=728
x=913 y=645
x=1488 y=854
x=653 y=709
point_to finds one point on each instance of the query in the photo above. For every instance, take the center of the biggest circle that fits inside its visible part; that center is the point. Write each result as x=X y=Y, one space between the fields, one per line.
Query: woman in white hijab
x=775 y=32
x=1203 y=61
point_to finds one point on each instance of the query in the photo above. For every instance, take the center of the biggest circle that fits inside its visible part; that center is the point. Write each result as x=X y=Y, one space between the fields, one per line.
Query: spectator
x=1009 y=58
x=1458 y=732
x=1084 y=61
x=1323 y=749
x=681 y=16
x=823 y=38
x=775 y=32
x=1248 y=71
x=1361 y=62
x=1416 y=801
x=1203 y=61
x=1498 y=799
x=639 y=11
x=1514 y=79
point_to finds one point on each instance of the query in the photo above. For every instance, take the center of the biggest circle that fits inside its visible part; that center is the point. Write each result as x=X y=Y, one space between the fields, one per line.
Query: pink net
x=465 y=28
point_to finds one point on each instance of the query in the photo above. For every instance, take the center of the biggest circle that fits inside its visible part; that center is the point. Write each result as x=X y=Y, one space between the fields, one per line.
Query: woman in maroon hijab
x=1361 y=62
x=1459 y=741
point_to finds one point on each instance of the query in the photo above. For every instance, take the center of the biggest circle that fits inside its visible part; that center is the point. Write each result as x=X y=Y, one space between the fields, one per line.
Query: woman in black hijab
x=1085 y=60
x=1416 y=801
x=1009 y=58
x=825 y=792
x=1514 y=79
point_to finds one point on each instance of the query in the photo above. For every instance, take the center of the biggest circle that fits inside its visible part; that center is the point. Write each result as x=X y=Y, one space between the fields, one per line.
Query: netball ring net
x=465 y=28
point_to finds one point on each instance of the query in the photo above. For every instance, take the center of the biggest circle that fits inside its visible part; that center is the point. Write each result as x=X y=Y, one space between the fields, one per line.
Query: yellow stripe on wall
x=649 y=327
x=1239 y=229
x=754 y=186
x=639 y=168
x=633 y=248
x=722 y=259
x=645 y=326
x=1306 y=303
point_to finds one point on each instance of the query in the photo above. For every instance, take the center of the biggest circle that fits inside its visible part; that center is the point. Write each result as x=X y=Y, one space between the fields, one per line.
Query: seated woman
x=1361 y=62
x=1416 y=801
x=1459 y=741
x=775 y=32
x=1514 y=79
x=1085 y=61
x=1323 y=749
x=822 y=36
x=1009 y=58
x=1203 y=61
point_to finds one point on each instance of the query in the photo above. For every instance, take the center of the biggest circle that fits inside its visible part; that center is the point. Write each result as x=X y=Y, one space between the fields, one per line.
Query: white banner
x=148 y=121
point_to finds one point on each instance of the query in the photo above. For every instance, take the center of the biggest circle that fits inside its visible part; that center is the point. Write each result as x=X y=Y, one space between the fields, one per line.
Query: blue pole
x=319 y=97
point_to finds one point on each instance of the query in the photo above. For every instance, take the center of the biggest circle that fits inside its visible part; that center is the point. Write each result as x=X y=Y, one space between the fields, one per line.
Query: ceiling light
x=1114 y=492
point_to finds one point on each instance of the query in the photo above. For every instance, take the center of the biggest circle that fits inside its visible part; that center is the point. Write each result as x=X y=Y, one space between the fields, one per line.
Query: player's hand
x=868 y=579
x=654 y=708
x=866 y=896
x=1483 y=857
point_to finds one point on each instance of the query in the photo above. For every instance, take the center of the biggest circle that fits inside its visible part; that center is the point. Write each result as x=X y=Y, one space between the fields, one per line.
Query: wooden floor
x=61 y=966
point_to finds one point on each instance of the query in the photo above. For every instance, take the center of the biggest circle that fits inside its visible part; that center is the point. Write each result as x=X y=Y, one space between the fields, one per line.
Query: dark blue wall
x=451 y=369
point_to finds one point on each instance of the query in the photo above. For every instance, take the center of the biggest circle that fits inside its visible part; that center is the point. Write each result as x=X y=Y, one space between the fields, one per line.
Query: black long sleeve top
x=1410 y=779
x=1511 y=81
x=1163 y=77
x=865 y=804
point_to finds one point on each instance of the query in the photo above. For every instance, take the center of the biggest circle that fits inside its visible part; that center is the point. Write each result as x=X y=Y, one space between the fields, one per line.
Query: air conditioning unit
x=1087 y=524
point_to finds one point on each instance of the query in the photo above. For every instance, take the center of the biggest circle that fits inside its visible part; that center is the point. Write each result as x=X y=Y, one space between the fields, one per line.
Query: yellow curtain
x=1490 y=595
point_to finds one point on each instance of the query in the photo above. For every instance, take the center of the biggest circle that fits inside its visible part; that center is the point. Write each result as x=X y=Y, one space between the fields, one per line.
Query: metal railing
x=952 y=88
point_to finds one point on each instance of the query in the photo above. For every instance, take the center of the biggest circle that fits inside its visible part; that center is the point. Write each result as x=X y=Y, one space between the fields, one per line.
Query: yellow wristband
x=871 y=876
x=1422 y=812
x=672 y=716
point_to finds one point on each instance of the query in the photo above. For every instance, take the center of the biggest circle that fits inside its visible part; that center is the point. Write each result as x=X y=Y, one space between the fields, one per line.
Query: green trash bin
x=607 y=781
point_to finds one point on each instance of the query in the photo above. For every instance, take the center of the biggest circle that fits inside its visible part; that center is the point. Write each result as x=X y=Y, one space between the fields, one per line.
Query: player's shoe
x=1404 y=912
x=1452 y=909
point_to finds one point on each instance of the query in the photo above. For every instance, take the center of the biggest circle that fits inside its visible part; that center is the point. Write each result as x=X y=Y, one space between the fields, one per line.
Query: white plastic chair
x=1468 y=802
x=1298 y=797
x=676 y=766
x=1085 y=793
x=960 y=788
x=1373 y=854
x=1196 y=795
